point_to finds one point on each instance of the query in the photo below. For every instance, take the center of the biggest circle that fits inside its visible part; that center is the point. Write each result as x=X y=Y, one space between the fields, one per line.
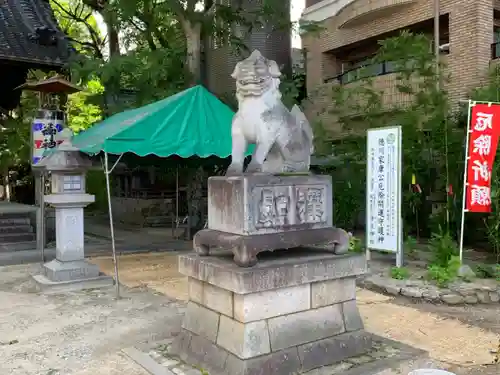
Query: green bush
x=488 y=271
x=96 y=185
x=443 y=275
x=443 y=247
x=400 y=273
x=355 y=245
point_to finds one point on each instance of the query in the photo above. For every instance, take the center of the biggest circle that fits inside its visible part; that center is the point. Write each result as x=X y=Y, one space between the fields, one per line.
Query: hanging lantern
x=46 y=129
x=50 y=118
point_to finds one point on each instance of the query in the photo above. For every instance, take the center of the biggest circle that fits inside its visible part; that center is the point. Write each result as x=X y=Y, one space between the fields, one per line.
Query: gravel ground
x=83 y=332
x=79 y=333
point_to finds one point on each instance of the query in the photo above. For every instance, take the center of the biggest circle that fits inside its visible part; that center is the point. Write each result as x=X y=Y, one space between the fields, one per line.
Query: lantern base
x=75 y=275
x=55 y=270
x=55 y=287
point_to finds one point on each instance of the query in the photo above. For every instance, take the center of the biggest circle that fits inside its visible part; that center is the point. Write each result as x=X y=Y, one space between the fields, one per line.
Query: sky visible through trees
x=296 y=11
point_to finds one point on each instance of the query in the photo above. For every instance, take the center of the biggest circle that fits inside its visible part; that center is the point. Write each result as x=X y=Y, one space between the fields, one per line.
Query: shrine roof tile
x=29 y=33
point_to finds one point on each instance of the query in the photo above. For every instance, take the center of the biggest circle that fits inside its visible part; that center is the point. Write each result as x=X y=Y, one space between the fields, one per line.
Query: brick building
x=274 y=43
x=352 y=29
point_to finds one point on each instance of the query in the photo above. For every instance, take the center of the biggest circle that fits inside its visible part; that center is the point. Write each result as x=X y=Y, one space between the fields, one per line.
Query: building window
x=72 y=183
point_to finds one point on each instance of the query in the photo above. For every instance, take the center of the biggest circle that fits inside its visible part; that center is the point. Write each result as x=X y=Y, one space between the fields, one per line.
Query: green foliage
x=152 y=75
x=15 y=138
x=81 y=112
x=430 y=137
x=78 y=22
x=492 y=221
x=410 y=246
x=348 y=171
x=96 y=185
x=442 y=275
x=439 y=275
x=491 y=92
x=355 y=245
x=400 y=273
x=292 y=89
x=488 y=271
x=444 y=247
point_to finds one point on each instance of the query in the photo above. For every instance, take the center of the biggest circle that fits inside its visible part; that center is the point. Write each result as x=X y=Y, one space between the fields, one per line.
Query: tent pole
x=108 y=191
x=176 y=199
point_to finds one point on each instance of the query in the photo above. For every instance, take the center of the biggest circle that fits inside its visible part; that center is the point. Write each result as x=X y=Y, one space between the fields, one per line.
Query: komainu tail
x=304 y=123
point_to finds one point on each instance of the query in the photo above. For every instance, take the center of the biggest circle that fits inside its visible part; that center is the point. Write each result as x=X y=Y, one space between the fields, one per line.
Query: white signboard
x=383 y=189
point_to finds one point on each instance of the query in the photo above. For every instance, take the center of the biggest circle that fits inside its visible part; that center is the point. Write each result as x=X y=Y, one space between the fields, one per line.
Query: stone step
x=17 y=246
x=16 y=237
x=16 y=228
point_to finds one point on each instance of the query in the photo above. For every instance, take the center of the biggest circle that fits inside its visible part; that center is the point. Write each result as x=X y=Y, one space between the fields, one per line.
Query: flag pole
x=464 y=194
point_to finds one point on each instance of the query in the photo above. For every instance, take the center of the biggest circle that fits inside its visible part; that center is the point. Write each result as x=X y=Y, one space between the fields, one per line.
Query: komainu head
x=255 y=75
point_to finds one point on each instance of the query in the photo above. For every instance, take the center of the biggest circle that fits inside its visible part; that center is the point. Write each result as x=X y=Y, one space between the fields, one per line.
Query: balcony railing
x=371 y=70
x=375 y=70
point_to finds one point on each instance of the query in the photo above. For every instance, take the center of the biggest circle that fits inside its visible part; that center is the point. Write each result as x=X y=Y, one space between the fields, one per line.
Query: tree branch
x=96 y=51
x=96 y=39
x=151 y=30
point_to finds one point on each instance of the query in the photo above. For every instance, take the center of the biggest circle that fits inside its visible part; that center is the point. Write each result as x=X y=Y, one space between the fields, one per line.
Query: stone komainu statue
x=283 y=139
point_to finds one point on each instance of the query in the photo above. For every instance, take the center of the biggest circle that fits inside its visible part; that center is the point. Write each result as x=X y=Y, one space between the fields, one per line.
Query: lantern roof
x=54 y=85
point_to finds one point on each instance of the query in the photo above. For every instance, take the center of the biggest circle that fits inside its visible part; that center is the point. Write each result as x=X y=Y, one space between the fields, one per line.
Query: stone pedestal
x=70 y=268
x=286 y=315
x=260 y=212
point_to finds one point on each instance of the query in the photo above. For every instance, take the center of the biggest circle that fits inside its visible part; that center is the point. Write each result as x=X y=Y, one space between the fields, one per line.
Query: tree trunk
x=192 y=31
x=109 y=18
x=113 y=40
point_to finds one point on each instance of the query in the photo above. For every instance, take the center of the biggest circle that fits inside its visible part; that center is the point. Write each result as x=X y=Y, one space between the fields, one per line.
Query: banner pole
x=464 y=194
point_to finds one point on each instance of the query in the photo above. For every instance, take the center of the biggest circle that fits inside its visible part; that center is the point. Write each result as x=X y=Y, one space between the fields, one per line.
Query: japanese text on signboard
x=484 y=130
x=383 y=191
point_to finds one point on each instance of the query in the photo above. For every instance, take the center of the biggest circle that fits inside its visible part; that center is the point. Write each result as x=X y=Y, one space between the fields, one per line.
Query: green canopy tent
x=191 y=123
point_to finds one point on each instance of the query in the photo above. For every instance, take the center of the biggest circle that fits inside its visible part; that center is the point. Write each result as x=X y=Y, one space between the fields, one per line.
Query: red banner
x=484 y=131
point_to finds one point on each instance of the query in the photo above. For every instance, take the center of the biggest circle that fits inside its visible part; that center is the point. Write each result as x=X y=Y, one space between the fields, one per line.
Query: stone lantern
x=68 y=166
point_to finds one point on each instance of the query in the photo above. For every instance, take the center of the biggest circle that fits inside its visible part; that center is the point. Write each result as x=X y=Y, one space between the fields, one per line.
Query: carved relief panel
x=280 y=207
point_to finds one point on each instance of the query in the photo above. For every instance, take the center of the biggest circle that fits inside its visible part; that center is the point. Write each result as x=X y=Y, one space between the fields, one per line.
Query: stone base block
x=288 y=315
x=58 y=271
x=52 y=287
x=275 y=271
x=201 y=352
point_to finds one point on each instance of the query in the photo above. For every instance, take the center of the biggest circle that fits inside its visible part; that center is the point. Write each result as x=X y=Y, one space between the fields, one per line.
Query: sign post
x=483 y=131
x=384 y=226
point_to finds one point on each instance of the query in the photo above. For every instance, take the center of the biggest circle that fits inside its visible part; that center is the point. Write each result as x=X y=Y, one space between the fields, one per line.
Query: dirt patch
x=447 y=340
x=156 y=271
